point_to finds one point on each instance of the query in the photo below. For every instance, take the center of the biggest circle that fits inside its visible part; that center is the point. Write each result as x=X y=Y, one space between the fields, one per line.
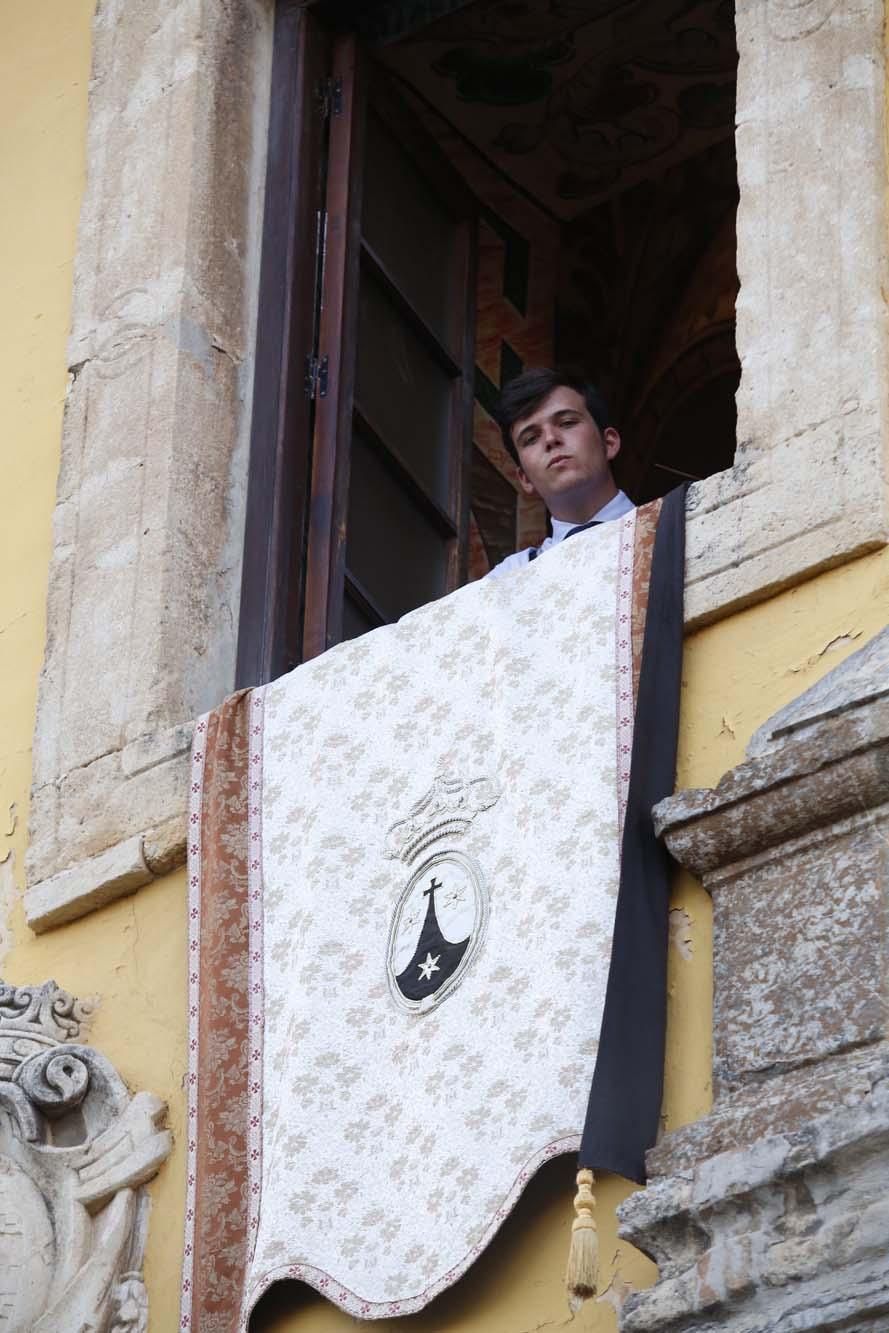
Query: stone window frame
x=148 y=529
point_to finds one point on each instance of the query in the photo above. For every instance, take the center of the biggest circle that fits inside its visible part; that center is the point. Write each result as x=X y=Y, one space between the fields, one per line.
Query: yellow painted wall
x=132 y=954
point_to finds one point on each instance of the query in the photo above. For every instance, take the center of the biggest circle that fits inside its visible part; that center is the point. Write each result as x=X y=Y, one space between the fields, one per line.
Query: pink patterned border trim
x=255 y=986
x=363 y=1309
x=195 y=799
x=624 y=656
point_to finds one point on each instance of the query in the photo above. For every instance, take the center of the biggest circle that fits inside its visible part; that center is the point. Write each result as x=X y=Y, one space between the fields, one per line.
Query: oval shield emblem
x=437 y=929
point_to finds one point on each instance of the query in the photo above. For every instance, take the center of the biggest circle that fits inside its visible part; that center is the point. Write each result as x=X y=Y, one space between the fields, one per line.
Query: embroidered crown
x=446 y=810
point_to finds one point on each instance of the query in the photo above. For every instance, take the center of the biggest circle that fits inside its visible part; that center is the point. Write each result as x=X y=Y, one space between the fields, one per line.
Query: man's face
x=563 y=456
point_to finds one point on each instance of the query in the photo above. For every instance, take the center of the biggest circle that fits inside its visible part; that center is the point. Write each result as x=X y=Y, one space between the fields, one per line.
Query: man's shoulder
x=617 y=507
x=511 y=562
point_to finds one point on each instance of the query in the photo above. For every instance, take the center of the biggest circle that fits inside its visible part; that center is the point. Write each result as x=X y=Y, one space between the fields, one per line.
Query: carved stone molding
x=837 y=773
x=809 y=486
x=75 y=1150
x=790 y=20
x=772 y=1207
x=144 y=581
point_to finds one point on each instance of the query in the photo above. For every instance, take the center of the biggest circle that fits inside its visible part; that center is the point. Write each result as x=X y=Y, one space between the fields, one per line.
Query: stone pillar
x=773 y=1211
x=145 y=576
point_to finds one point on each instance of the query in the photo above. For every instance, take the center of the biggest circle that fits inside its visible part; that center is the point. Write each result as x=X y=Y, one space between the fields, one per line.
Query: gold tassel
x=583 y=1257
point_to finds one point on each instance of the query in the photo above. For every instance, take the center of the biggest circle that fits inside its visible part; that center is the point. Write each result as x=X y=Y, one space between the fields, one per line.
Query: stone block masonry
x=145 y=577
x=773 y=1211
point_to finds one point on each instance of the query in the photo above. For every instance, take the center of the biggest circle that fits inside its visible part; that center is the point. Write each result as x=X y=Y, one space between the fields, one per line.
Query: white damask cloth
x=389 y=1143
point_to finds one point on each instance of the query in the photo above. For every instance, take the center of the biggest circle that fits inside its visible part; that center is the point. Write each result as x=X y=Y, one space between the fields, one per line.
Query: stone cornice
x=838 y=769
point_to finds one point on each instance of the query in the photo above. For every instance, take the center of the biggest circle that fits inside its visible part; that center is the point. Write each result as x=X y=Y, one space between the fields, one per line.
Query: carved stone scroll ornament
x=75 y=1149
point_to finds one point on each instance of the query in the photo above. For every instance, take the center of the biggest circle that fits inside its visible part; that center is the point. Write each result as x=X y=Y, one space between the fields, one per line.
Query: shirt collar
x=616 y=507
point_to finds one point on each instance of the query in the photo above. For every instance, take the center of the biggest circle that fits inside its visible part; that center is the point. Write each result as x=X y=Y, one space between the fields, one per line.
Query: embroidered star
x=429 y=966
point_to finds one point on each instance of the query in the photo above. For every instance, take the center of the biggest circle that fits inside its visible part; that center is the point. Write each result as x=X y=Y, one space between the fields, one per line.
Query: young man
x=555 y=426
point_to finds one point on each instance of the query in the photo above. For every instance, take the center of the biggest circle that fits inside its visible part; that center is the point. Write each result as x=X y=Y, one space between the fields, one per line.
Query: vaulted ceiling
x=577 y=100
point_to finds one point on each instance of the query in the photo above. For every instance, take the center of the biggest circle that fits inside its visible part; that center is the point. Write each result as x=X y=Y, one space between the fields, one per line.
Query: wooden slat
x=428 y=157
x=347 y=260
x=461 y=204
x=371 y=262
x=399 y=469
x=371 y=608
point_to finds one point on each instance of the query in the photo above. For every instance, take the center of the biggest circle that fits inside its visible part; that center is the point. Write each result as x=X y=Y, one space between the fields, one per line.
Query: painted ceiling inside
x=578 y=100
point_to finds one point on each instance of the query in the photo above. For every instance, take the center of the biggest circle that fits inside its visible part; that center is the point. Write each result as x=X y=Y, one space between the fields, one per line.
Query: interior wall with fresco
x=598 y=137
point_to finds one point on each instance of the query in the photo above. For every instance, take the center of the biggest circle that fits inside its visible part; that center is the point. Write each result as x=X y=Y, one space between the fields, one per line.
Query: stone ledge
x=121 y=795
x=792 y=1228
x=864 y=679
x=792 y=845
x=99 y=880
x=750 y=575
x=838 y=768
x=777 y=1104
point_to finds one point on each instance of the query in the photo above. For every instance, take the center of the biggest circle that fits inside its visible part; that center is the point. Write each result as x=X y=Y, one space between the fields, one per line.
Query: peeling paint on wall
x=7 y=886
x=617 y=1291
x=681 y=932
x=7 y=900
x=845 y=640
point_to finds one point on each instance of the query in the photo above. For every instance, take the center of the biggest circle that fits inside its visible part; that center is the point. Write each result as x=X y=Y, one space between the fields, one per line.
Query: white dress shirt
x=619 y=505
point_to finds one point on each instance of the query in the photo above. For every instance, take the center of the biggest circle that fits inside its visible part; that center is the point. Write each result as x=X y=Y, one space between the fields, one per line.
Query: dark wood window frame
x=294 y=569
x=270 y=633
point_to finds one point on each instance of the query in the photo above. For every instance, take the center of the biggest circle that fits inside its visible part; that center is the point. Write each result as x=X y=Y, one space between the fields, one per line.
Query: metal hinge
x=329 y=94
x=316 y=377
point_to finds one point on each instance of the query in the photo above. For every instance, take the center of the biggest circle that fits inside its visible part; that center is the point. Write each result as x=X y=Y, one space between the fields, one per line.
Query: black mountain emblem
x=435 y=958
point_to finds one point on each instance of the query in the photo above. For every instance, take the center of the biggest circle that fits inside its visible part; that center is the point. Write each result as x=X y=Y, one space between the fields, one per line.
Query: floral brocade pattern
x=646 y=528
x=216 y=1233
x=320 y=1170
x=363 y=1103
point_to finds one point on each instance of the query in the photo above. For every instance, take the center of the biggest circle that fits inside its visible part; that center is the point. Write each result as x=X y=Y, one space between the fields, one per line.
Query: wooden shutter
x=393 y=382
x=272 y=603
x=358 y=501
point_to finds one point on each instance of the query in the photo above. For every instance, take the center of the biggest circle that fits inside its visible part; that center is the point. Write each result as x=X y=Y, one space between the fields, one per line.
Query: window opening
x=513 y=183
x=598 y=137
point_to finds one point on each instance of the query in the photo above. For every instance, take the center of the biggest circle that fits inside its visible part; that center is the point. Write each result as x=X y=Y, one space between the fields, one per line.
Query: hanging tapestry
x=405 y=879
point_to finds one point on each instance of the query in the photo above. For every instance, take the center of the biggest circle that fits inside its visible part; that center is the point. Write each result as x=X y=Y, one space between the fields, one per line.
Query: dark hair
x=527 y=391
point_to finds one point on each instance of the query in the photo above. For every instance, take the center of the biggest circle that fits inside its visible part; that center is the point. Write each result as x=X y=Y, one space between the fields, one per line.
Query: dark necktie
x=582 y=527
